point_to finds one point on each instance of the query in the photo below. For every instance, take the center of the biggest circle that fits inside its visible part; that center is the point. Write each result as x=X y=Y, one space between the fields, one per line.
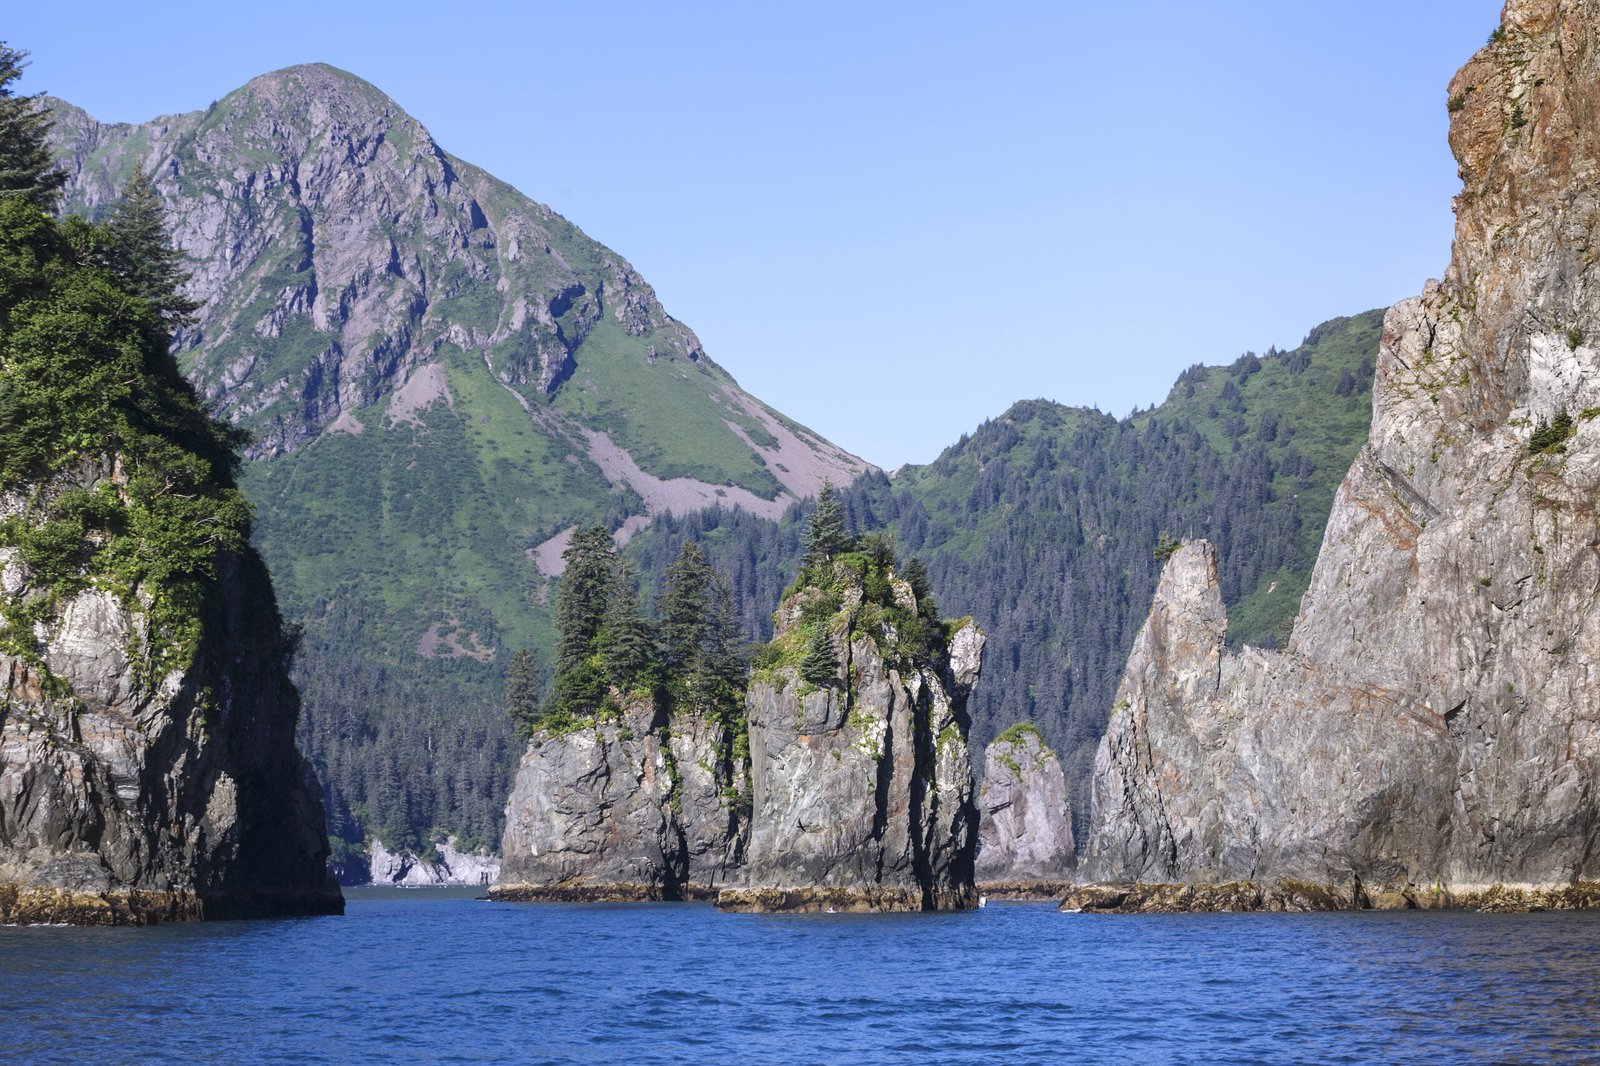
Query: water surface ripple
x=436 y=976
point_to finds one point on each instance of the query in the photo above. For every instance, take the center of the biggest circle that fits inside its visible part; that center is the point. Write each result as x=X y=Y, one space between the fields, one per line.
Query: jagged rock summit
x=1431 y=733
x=1025 y=842
x=350 y=271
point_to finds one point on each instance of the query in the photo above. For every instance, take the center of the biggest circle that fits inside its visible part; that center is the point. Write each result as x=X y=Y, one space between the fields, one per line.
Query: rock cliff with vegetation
x=444 y=380
x=1025 y=842
x=1430 y=733
x=148 y=769
x=839 y=778
x=634 y=784
x=861 y=777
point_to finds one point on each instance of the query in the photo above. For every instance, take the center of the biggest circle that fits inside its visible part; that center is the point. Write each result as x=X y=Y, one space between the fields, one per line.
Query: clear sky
x=892 y=220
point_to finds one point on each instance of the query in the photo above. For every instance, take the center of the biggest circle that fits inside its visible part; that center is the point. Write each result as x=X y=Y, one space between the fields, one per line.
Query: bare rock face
x=1433 y=727
x=862 y=788
x=131 y=795
x=448 y=866
x=340 y=257
x=1025 y=844
x=646 y=807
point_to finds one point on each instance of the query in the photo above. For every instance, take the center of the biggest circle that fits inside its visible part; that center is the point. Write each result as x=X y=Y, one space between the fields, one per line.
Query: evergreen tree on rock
x=522 y=689
x=139 y=253
x=826 y=537
x=27 y=171
x=629 y=645
x=820 y=666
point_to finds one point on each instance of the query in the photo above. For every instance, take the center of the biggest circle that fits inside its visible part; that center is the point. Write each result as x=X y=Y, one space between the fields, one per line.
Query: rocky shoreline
x=1291 y=896
x=35 y=905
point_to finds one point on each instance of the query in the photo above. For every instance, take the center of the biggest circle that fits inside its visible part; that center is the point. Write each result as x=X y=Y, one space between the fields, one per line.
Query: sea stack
x=862 y=780
x=1431 y=733
x=645 y=805
x=1025 y=843
x=148 y=769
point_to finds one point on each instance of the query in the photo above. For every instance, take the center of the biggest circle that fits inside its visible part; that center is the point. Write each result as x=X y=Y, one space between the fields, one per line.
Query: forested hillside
x=1046 y=524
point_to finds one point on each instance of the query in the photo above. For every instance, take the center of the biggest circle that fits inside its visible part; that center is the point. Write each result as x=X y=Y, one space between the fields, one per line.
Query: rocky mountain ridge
x=1430 y=731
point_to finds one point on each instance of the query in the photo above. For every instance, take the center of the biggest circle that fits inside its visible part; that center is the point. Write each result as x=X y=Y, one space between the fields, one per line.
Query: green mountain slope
x=442 y=378
x=1044 y=524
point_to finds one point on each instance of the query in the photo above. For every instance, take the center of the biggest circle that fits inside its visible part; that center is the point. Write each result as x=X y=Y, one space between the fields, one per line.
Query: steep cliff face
x=645 y=807
x=133 y=790
x=862 y=784
x=1433 y=726
x=1025 y=843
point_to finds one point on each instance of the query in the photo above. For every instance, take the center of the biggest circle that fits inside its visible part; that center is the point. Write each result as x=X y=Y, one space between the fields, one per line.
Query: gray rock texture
x=1025 y=843
x=645 y=807
x=862 y=788
x=452 y=866
x=1433 y=726
x=130 y=795
x=340 y=256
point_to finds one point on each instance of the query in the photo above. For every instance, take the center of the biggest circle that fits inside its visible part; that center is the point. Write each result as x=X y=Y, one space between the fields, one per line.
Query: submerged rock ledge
x=813 y=899
x=1291 y=896
x=609 y=892
x=42 y=905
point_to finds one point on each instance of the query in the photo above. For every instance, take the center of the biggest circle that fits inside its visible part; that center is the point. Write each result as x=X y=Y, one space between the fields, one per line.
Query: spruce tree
x=27 y=171
x=585 y=591
x=826 y=536
x=628 y=646
x=915 y=574
x=579 y=686
x=820 y=666
x=522 y=689
x=137 y=250
x=683 y=606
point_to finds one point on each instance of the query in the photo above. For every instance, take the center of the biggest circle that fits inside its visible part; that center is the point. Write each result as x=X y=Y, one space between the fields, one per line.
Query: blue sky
x=893 y=220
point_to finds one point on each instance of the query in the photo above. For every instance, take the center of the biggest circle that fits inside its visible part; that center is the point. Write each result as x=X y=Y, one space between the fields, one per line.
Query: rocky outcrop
x=1433 y=726
x=862 y=785
x=856 y=793
x=132 y=793
x=1025 y=843
x=648 y=806
x=448 y=865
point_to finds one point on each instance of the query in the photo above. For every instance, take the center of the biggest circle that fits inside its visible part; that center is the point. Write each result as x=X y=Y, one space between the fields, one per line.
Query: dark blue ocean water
x=435 y=976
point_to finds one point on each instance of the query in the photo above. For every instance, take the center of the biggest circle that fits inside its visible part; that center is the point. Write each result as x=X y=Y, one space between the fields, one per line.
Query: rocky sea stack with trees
x=148 y=769
x=838 y=779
